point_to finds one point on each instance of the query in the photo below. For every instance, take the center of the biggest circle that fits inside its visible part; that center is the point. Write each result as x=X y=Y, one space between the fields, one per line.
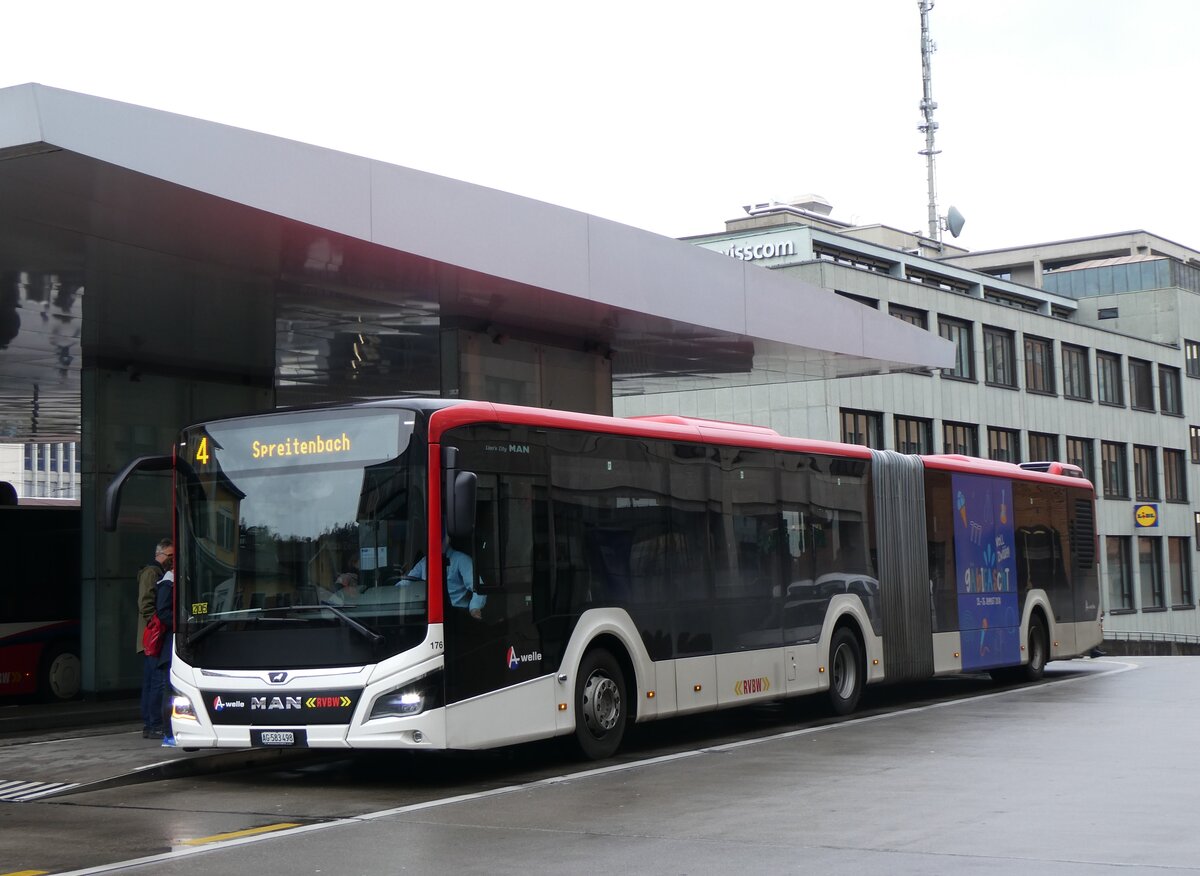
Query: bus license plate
x=278 y=738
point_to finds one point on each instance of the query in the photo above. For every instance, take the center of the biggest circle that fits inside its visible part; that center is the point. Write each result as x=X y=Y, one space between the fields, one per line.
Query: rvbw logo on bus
x=515 y=660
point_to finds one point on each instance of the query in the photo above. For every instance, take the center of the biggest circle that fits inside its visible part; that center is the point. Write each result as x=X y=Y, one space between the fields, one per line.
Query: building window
x=914 y=435
x=1039 y=364
x=910 y=315
x=1195 y=442
x=1179 y=570
x=1170 y=399
x=1042 y=447
x=1145 y=473
x=1191 y=352
x=1108 y=378
x=1141 y=385
x=1077 y=382
x=961 y=334
x=1003 y=445
x=862 y=427
x=1079 y=452
x=1174 y=475
x=1150 y=571
x=961 y=438
x=1120 y=575
x=1112 y=467
x=999 y=354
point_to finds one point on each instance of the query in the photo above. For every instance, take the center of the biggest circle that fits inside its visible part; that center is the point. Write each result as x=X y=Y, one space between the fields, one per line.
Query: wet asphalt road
x=1092 y=771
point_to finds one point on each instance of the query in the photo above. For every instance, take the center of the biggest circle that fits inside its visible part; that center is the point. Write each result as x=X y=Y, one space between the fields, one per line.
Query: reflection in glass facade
x=50 y=471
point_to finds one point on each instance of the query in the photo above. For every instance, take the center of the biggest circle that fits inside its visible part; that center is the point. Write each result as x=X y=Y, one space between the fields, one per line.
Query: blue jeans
x=153 y=683
x=149 y=708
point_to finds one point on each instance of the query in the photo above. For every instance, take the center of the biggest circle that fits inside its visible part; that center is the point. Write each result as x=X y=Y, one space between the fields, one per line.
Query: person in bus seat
x=460 y=579
x=345 y=590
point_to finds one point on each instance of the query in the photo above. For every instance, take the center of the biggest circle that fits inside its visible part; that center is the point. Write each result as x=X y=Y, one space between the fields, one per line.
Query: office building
x=1085 y=351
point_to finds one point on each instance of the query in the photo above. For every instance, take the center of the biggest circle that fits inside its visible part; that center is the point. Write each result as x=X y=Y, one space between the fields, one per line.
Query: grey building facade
x=1085 y=351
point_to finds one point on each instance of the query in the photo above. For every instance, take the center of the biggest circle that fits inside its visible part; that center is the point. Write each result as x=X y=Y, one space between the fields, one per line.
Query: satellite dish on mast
x=954 y=222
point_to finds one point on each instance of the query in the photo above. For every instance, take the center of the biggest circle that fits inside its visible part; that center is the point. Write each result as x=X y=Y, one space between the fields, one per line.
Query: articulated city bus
x=589 y=572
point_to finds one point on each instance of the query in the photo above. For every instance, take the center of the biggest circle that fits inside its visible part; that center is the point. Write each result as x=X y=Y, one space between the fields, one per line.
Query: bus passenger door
x=510 y=554
x=748 y=536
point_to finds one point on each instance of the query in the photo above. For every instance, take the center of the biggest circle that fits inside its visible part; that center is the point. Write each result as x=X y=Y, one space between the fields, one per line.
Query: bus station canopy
x=396 y=250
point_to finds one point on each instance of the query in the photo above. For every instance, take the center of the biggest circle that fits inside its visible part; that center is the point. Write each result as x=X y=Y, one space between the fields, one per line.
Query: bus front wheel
x=600 y=705
x=846 y=671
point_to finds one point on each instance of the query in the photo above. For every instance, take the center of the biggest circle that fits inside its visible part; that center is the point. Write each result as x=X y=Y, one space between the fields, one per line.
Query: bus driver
x=460 y=578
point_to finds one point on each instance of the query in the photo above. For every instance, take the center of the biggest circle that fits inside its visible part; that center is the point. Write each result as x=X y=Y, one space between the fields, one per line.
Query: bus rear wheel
x=846 y=671
x=1039 y=650
x=600 y=705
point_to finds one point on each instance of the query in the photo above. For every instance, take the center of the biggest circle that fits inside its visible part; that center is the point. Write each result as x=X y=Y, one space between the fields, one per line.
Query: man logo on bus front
x=277 y=677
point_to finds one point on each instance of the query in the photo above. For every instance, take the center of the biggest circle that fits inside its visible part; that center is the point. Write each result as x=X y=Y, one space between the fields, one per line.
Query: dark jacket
x=164 y=607
x=148 y=577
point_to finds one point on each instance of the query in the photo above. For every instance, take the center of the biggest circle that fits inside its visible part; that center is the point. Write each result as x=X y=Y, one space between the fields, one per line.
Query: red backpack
x=152 y=638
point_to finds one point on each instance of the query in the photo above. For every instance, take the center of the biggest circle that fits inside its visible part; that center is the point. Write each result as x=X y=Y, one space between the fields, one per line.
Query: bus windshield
x=297 y=531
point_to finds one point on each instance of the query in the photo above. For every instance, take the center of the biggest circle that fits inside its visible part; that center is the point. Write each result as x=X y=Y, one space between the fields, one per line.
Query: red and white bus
x=625 y=570
x=39 y=600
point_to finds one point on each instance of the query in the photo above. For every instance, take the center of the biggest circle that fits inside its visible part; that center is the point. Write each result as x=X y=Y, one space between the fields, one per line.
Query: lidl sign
x=1145 y=515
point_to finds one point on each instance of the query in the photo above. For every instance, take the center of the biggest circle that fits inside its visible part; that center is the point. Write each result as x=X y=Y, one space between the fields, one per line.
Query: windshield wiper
x=217 y=623
x=206 y=629
x=259 y=613
x=373 y=637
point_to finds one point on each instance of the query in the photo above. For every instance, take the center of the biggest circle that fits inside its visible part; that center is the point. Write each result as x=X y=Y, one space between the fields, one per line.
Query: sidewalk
x=34 y=718
x=68 y=748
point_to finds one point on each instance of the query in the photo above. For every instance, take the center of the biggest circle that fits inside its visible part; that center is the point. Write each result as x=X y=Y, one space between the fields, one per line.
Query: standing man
x=164 y=607
x=148 y=577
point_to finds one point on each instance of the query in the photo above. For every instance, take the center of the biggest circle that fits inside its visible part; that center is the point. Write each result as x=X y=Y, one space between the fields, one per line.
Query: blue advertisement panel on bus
x=988 y=608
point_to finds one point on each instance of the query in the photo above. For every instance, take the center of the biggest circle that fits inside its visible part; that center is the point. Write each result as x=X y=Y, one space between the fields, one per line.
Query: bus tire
x=847 y=671
x=601 y=706
x=1039 y=650
x=59 y=674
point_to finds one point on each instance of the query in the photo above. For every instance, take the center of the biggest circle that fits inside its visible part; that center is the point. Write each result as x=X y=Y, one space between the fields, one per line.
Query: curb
x=37 y=720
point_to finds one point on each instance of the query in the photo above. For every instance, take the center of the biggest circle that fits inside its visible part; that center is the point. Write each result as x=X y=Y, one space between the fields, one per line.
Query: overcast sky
x=1058 y=118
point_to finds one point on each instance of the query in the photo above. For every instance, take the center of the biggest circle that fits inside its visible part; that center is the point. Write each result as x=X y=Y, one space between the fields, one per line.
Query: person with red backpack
x=164 y=615
x=148 y=578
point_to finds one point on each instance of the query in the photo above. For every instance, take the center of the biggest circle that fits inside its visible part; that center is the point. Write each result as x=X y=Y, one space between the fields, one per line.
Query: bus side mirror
x=458 y=496
x=460 y=517
x=112 y=495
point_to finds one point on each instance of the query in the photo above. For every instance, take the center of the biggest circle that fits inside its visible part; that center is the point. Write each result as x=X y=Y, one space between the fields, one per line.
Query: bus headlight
x=181 y=707
x=411 y=699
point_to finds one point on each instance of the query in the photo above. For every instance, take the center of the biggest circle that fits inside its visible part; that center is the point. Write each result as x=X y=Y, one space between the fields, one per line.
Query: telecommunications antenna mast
x=928 y=105
x=953 y=220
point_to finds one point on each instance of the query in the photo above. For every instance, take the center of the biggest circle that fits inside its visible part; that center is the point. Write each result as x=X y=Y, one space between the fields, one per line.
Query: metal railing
x=1133 y=636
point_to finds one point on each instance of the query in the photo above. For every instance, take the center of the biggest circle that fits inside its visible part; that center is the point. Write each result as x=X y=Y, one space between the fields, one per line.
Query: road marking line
x=234 y=834
x=23 y=792
x=583 y=774
x=26 y=873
